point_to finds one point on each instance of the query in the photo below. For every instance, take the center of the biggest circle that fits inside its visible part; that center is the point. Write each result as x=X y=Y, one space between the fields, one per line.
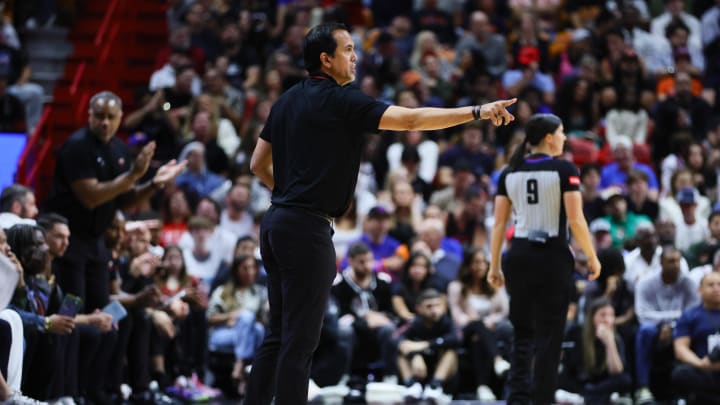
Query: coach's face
x=341 y=65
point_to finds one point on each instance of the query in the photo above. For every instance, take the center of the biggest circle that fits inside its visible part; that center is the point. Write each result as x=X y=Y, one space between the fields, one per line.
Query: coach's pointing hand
x=497 y=112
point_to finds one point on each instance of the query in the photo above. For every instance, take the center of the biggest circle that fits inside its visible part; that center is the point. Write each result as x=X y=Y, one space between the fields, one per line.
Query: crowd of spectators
x=636 y=84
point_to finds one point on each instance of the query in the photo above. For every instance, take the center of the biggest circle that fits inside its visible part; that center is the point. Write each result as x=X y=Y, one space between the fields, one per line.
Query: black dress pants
x=539 y=281
x=299 y=257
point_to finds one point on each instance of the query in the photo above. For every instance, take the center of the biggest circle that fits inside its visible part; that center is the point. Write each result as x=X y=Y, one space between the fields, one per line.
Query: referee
x=309 y=154
x=543 y=192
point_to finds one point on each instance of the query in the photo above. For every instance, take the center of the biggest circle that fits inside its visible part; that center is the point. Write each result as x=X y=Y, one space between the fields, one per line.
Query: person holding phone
x=544 y=194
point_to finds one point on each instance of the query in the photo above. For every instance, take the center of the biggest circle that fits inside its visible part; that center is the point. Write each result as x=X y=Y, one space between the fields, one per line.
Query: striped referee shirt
x=535 y=189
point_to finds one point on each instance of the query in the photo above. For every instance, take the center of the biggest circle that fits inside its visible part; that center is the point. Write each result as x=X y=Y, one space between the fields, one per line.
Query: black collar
x=320 y=75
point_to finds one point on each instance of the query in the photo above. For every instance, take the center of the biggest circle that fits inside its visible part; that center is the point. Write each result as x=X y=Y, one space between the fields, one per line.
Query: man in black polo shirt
x=309 y=155
x=94 y=176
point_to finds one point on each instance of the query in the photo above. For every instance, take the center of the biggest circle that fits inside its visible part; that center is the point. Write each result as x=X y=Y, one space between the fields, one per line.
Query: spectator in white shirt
x=674 y=11
x=644 y=260
x=236 y=218
x=17 y=206
x=165 y=76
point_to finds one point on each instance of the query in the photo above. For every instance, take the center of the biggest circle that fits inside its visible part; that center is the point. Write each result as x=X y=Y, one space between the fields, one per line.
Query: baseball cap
x=378 y=212
x=600 y=225
x=528 y=54
x=686 y=196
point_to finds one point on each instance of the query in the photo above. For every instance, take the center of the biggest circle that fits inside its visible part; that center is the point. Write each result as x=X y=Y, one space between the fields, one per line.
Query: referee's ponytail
x=536 y=128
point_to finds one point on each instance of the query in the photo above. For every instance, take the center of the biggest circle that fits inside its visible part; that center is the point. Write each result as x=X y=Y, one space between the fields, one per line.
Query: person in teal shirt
x=622 y=222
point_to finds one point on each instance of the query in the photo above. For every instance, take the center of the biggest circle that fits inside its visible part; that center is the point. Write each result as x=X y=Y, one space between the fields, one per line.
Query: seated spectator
x=47 y=333
x=417 y=276
x=466 y=222
x=179 y=39
x=16 y=67
x=229 y=99
x=152 y=122
x=236 y=217
x=612 y=286
x=347 y=230
x=449 y=245
x=197 y=181
x=594 y=363
x=406 y=213
x=203 y=126
x=17 y=206
x=383 y=246
x=221 y=242
x=669 y=205
x=165 y=76
x=592 y=200
x=644 y=260
x=659 y=300
x=429 y=17
x=446 y=265
x=175 y=212
x=243 y=63
x=364 y=301
x=427 y=149
x=702 y=253
x=695 y=339
x=455 y=182
x=623 y=223
x=185 y=299
x=638 y=195
x=427 y=354
x=202 y=261
x=236 y=313
x=693 y=229
x=480 y=312
x=615 y=173
x=675 y=14
x=527 y=74
x=627 y=119
x=179 y=97
x=482 y=38
x=472 y=150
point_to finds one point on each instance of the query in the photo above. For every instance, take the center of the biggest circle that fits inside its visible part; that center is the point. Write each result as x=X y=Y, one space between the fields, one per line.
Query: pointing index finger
x=510 y=102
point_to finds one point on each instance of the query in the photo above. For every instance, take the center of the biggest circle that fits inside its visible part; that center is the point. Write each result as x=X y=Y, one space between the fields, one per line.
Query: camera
x=714 y=354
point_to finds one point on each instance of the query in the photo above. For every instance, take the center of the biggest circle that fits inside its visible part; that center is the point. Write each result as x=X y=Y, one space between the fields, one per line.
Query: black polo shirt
x=316 y=130
x=84 y=156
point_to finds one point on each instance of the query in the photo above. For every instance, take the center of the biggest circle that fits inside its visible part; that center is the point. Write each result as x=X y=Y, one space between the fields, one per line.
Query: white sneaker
x=17 y=398
x=313 y=390
x=432 y=393
x=568 y=398
x=485 y=394
x=501 y=366
x=414 y=391
x=644 y=396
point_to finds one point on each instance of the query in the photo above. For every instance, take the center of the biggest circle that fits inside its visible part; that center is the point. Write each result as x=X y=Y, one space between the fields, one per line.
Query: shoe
x=485 y=394
x=644 y=396
x=501 y=366
x=17 y=398
x=568 y=398
x=414 y=392
x=313 y=390
x=432 y=394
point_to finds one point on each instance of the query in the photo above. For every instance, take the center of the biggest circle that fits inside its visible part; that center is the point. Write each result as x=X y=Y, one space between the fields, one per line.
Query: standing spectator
x=427 y=349
x=14 y=64
x=17 y=206
x=94 y=176
x=659 y=301
x=697 y=377
x=12 y=113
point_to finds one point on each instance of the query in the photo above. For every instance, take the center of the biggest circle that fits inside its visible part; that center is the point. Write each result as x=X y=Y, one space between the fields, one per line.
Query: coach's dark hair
x=536 y=128
x=320 y=39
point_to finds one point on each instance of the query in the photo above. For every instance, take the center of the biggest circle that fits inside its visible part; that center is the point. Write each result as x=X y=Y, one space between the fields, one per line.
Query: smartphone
x=70 y=305
x=116 y=310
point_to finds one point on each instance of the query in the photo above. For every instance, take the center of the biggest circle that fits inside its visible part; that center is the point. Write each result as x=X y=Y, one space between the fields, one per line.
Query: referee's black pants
x=299 y=257
x=539 y=281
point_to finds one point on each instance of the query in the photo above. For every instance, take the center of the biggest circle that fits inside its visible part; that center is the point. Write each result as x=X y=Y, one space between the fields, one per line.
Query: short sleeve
x=501 y=190
x=362 y=111
x=682 y=327
x=266 y=133
x=77 y=163
x=569 y=177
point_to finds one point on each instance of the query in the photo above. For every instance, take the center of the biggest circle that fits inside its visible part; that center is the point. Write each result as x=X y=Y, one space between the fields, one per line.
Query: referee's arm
x=503 y=207
x=578 y=225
